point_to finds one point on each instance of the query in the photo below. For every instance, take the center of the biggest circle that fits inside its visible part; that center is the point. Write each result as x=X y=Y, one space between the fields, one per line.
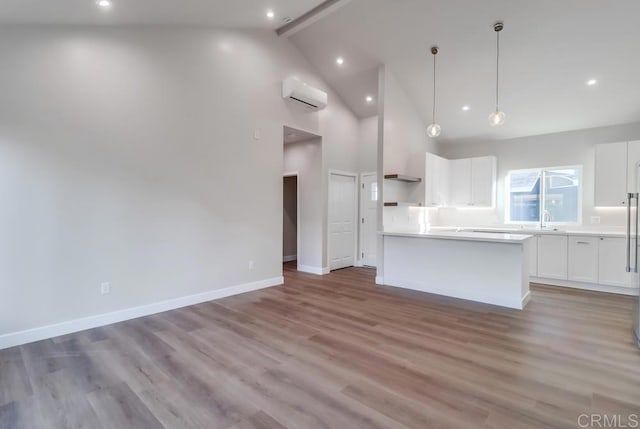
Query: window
x=552 y=195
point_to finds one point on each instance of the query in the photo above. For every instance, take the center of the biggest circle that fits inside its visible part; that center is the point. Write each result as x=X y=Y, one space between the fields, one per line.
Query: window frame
x=542 y=171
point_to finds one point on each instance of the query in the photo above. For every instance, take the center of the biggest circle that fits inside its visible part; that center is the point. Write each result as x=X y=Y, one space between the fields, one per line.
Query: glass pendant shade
x=497 y=118
x=433 y=130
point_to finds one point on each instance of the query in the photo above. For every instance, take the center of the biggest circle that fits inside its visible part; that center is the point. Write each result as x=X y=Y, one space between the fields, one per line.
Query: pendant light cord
x=434 y=89
x=497 y=68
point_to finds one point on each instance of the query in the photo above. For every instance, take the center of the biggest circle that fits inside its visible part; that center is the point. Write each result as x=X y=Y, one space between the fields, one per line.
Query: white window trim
x=507 y=187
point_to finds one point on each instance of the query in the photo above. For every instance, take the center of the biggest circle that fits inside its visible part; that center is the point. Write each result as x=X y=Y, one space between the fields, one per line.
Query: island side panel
x=488 y=272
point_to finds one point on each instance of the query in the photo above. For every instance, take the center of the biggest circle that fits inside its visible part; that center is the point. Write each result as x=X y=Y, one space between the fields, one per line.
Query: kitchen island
x=492 y=268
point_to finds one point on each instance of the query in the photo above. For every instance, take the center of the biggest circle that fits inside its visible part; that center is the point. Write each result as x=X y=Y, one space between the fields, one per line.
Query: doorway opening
x=290 y=219
x=303 y=202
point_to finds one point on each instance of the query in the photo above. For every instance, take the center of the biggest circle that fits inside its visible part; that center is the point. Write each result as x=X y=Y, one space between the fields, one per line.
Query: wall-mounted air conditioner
x=304 y=95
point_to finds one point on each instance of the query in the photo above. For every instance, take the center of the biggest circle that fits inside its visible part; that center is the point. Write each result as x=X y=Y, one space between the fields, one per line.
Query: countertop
x=488 y=237
x=534 y=231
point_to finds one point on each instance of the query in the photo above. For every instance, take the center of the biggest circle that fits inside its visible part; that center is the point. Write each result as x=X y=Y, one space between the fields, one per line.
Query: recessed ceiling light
x=340 y=61
x=591 y=82
x=104 y=4
x=466 y=108
x=271 y=14
x=369 y=99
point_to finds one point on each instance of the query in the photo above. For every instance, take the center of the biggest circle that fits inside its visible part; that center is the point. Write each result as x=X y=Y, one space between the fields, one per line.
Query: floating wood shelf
x=403 y=178
x=399 y=204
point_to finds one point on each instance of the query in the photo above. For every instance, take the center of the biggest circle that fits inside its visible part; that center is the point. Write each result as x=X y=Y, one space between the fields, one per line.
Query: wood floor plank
x=119 y=407
x=335 y=351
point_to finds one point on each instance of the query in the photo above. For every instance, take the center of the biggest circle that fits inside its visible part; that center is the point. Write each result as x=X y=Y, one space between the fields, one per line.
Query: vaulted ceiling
x=550 y=49
x=220 y=13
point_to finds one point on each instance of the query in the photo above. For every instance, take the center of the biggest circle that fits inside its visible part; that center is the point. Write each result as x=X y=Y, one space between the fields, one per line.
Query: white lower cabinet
x=533 y=256
x=583 y=259
x=552 y=257
x=612 y=262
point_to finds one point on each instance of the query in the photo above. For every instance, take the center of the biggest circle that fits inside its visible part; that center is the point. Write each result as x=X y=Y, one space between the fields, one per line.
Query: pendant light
x=497 y=117
x=434 y=129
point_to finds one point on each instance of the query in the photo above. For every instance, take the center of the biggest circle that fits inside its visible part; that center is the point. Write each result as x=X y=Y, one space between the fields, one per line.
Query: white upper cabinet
x=460 y=179
x=612 y=173
x=633 y=167
x=436 y=181
x=468 y=182
x=483 y=180
x=473 y=181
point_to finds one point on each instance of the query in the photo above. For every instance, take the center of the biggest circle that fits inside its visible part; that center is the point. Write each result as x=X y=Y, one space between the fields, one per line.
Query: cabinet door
x=436 y=180
x=611 y=175
x=583 y=259
x=633 y=167
x=483 y=180
x=533 y=257
x=443 y=189
x=552 y=257
x=612 y=262
x=430 y=179
x=460 y=174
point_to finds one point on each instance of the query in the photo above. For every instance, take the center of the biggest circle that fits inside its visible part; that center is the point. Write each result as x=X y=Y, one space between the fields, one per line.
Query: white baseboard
x=379 y=280
x=314 y=270
x=42 y=333
x=586 y=286
x=526 y=298
x=289 y=258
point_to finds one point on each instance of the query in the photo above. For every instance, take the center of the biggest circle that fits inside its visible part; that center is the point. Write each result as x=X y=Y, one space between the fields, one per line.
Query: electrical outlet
x=595 y=220
x=252 y=265
x=105 y=288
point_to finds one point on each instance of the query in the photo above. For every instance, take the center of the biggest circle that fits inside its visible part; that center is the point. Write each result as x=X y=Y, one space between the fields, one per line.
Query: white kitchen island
x=492 y=268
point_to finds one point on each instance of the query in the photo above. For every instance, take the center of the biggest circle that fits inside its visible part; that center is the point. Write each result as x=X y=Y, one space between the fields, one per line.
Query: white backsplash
x=409 y=218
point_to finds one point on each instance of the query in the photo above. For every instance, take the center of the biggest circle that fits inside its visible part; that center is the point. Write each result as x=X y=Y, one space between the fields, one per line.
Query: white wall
x=568 y=148
x=405 y=143
x=129 y=156
x=306 y=158
x=368 y=150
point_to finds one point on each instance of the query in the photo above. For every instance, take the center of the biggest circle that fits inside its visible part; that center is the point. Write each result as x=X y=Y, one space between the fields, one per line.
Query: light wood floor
x=334 y=352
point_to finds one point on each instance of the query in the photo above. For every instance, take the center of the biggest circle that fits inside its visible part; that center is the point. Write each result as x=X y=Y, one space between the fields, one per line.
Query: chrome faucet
x=545 y=219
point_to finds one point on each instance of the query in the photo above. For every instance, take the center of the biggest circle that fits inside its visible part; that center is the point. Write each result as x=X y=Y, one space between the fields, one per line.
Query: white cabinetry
x=460 y=179
x=533 y=256
x=436 y=181
x=611 y=264
x=473 y=181
x=483 y=179
x=616 y=173
x=583 y=259
x=552 y=257
x=633 y=167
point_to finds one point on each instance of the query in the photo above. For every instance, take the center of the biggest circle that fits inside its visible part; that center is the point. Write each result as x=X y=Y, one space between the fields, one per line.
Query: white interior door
x=369 y=219
x=342 y=215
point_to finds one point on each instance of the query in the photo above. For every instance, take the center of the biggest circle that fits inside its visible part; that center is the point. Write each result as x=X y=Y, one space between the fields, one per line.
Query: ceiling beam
x=317 y=13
